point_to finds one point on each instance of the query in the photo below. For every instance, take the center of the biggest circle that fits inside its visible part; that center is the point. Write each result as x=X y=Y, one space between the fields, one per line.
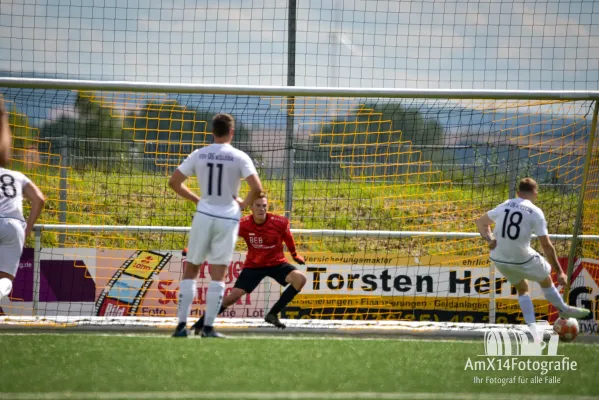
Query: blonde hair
x=527 y=185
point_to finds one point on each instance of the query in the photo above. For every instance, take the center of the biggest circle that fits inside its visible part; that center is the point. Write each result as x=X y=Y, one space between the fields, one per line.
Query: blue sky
x=423 y=44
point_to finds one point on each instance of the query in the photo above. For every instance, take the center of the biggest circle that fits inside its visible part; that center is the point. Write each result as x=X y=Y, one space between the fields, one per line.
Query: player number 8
x=7 y=185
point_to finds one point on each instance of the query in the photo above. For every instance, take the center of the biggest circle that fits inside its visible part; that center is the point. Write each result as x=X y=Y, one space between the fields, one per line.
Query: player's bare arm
x=551 y=256
x=35 y=196
x=255 y=191
x=290 y=243
x=483 y=223
x=5 y=135
x=295 y=278
x=177 y=183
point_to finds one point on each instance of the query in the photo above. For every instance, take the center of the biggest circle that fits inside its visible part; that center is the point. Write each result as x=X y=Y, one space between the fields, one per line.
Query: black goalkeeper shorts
x=250 y=278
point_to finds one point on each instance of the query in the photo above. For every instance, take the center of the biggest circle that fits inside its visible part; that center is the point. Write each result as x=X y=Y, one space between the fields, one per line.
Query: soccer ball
x=566 y=328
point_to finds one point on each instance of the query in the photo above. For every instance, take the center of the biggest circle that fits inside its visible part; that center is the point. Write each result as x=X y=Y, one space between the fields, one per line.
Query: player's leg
x=516 y=275
x=528 y=309
x=12 y=239
x=247 y=281
x=198 y=245
x=221 y=252
x=552 y=295
x=285 y=274
x=214 y=298
x=228 y=301
x=5 y=284
x=539 y=270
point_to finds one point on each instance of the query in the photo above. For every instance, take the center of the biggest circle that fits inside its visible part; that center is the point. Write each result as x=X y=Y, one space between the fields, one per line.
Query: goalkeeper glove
x=298 y=259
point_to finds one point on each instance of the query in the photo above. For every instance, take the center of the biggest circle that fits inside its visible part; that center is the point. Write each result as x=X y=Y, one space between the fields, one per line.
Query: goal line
x=258 y=326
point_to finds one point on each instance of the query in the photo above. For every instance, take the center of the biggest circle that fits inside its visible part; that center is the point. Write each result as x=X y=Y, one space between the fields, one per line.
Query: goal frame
x=290 y=92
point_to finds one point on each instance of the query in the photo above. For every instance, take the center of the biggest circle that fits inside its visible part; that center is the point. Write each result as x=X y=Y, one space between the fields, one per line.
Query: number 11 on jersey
x=220 y=178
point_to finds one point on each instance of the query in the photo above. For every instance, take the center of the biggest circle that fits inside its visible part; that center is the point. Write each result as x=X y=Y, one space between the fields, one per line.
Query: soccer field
x=115 y=366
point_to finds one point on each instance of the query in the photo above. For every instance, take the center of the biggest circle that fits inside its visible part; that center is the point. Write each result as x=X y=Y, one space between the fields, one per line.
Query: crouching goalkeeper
x=264 y=234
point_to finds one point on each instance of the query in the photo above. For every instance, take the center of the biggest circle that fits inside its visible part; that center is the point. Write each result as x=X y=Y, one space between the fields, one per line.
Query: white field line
x=274 y=336
x=241 y=336
x=280 y=395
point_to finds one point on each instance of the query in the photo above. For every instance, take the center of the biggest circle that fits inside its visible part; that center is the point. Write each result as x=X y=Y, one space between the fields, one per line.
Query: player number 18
x=513 y=227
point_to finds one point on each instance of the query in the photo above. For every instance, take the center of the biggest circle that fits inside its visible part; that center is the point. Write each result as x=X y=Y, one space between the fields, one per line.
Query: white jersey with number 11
x=219 y=169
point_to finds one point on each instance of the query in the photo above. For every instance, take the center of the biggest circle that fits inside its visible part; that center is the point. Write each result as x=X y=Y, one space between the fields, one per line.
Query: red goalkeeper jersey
x=265 y=241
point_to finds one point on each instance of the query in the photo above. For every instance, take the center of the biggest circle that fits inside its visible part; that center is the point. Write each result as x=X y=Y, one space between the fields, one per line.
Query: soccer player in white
x=14 y=229
x=515 y=221
x=219 y=169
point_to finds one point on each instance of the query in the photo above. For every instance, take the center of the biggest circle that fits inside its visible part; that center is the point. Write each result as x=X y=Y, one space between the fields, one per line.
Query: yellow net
x=358 y=165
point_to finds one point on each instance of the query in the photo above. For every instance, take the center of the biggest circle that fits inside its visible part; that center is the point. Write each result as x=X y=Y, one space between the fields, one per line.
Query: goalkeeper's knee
x=297 y=280
x=232 y=298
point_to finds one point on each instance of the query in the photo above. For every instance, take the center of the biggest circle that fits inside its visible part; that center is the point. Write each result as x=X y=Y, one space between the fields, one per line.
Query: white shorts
x=12 y=239
x=212 y=239
x=535 y=270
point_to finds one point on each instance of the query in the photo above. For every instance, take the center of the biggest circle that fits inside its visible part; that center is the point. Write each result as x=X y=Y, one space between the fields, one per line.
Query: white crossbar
x=302 y=232
x=69 y=84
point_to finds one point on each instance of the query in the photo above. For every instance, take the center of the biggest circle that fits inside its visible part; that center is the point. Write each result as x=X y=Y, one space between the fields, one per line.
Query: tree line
x=158 y=133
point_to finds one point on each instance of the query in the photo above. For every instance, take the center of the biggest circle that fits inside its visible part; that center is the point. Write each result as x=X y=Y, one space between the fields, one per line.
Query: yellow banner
x=144 y=265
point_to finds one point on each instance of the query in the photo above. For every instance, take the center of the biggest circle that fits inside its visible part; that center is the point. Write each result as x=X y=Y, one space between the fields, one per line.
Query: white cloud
x=68 y=111
x=380 y=43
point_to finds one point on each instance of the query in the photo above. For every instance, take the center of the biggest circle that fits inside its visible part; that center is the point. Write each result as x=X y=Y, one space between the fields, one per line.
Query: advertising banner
x=100 y=282
x=122 y=295
x=431 y=288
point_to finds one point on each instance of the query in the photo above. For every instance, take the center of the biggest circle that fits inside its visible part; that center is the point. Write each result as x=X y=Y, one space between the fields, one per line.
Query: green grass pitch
x=152 y=366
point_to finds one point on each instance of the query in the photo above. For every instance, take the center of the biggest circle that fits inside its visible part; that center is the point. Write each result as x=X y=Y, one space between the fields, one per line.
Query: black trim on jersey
x=216 y=216
x=511 y=263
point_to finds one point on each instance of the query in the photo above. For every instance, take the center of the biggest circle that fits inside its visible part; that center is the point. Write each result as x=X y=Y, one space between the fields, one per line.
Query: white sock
x=553 y=296
x=528 y=310
x=214 y=299
x=187 y=291
x=5 y=287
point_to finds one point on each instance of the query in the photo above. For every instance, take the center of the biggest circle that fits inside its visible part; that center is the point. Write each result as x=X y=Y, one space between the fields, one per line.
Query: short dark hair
x=261 y=196
x=222 y=124
x=527 y=185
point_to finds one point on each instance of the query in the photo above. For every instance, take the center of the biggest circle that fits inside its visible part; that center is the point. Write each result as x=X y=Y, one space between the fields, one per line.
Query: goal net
x=382 y=194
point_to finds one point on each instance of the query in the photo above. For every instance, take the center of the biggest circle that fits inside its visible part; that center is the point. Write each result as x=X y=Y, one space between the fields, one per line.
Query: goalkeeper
x=264 y=234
